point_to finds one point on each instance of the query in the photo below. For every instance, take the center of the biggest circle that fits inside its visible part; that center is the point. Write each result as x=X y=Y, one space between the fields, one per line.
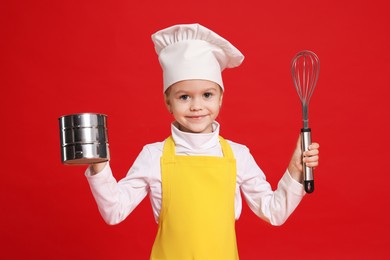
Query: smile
x=196 y=117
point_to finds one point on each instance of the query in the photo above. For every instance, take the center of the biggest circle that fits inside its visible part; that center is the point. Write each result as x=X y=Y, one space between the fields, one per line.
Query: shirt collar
x=195 y=143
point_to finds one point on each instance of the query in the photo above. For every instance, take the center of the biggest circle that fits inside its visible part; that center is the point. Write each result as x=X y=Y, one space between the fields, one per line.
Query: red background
x=62 y=57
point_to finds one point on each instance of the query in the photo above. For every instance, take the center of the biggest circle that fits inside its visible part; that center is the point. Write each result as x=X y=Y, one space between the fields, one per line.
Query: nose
x=196 y=104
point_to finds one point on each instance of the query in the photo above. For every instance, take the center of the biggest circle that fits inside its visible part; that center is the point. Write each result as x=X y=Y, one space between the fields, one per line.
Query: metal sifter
x=305 y=67
x=84 y=138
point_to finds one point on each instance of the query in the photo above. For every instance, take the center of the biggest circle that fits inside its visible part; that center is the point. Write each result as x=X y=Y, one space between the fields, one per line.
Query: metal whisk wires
x=305 y=68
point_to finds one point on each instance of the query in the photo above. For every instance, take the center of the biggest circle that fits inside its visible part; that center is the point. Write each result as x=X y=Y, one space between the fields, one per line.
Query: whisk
x=305 y=67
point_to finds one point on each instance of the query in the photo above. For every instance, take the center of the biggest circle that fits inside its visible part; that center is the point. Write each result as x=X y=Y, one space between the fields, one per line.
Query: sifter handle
x=308 y=176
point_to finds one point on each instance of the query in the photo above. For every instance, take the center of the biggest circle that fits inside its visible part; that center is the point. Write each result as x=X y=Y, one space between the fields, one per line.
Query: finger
x=311 y=153
x=312 y=164
x=311 y=160
x=314 y=146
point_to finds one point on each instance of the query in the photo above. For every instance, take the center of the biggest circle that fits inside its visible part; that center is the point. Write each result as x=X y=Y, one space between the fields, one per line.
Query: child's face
x=194 y=104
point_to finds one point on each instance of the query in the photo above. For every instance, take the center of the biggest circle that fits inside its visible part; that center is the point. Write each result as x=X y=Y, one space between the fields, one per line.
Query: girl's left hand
x=310 y=158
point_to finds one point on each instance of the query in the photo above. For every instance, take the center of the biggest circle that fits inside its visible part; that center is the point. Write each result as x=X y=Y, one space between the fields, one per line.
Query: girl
x=194 y=177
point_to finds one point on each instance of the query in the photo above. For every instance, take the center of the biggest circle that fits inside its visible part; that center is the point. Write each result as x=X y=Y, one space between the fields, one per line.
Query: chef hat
x=191 y=51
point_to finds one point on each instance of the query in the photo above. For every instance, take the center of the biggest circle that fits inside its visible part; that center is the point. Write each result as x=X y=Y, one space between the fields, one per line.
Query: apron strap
x=169 y=148
x=226 y=149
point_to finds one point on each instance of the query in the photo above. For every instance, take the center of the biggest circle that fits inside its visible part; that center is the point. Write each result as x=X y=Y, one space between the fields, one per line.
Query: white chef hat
x=191 y=51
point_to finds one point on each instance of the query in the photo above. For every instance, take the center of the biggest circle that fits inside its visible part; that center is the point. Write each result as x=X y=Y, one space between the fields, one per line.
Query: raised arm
x=116 y=200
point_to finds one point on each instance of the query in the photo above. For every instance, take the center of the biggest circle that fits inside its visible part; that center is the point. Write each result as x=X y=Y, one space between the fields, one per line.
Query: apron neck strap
x=169 y=148
x=226 y=149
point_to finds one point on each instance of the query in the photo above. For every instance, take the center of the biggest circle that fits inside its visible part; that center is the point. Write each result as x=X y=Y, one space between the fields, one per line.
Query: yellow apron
x=197 y=216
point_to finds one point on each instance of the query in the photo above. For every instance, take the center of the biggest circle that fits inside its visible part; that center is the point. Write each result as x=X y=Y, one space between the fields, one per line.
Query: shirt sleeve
x=272 y=206
x=116 y=200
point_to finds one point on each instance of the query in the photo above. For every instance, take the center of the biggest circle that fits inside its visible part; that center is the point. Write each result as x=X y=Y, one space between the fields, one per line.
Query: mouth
x=197 y=117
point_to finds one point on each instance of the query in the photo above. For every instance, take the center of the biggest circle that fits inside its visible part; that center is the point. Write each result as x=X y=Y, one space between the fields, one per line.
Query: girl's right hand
x=97 y=167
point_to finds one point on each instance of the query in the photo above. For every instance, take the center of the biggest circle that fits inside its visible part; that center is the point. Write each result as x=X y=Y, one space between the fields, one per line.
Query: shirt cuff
x=103 y=174
x=292 y=185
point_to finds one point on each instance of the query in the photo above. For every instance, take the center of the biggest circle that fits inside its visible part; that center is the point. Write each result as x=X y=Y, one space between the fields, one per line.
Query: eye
x=207 y=95
x=184 y=97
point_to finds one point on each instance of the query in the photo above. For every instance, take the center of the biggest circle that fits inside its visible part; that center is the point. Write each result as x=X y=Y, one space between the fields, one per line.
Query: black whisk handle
x=308 y=175
x=309 y=186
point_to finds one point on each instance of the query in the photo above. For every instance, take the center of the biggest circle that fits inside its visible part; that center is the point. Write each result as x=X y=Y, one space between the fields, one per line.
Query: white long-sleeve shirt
x=116 y=200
